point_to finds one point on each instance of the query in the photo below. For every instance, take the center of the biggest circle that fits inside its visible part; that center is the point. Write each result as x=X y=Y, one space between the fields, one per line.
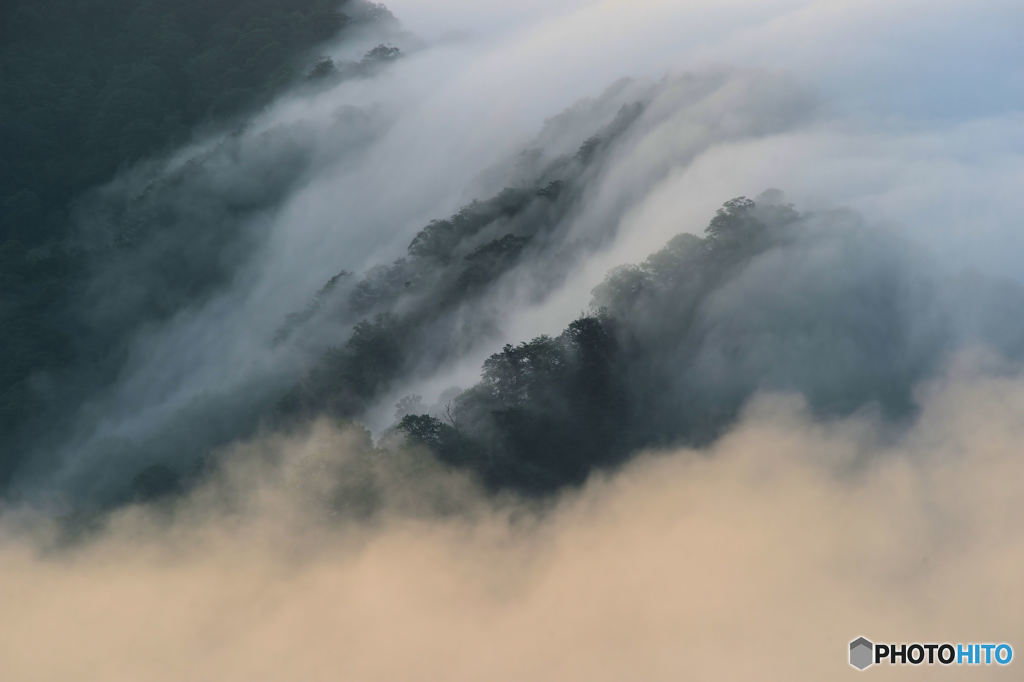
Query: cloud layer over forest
x=217 y=246
x=452 y=363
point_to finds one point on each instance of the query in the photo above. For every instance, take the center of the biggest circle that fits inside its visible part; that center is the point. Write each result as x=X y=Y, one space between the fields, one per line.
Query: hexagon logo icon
x=862 y=653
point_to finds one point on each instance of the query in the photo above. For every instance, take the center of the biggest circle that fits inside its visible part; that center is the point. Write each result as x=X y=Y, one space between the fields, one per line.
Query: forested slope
x=88 y=87
x=845 y=316
x=91 y=87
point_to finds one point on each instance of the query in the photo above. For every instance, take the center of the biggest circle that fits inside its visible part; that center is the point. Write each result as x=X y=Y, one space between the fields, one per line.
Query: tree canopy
x=90 y=87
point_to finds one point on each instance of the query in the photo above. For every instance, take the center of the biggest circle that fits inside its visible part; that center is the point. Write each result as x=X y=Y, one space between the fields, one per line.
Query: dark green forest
x=411 y=312
x=671 y=349
x=90 y=87
x=653 y=364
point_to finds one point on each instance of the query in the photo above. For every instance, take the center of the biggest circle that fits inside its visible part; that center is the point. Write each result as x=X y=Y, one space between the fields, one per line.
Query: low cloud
x=315 y=557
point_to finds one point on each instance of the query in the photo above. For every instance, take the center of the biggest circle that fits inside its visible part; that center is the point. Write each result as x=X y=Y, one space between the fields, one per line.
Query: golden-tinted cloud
x=759 y=558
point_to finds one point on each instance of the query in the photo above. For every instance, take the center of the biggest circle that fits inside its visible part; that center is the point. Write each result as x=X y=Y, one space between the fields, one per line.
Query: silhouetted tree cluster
x=327 y=70
x=416 y=306
x=676 y=345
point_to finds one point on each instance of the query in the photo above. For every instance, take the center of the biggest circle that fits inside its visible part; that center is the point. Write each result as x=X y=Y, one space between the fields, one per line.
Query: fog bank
x=762 y=556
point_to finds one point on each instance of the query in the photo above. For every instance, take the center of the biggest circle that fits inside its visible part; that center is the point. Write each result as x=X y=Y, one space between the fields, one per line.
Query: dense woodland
x=672 y=348
x=656 y=363
x=90 y=87
x=432 y=304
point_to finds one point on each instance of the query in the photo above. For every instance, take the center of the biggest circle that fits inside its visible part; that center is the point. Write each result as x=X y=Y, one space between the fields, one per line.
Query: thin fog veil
x=583 y=340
